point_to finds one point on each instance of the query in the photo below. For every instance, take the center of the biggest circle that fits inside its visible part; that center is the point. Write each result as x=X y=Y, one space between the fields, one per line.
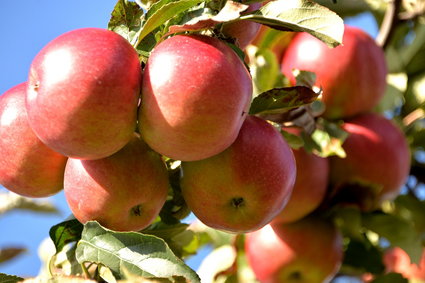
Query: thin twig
x=389 y=23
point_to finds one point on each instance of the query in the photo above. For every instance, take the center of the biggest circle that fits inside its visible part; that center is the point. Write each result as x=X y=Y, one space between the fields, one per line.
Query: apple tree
x=295 y=139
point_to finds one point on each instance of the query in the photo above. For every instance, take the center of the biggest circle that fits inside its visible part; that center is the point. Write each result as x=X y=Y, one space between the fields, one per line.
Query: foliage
x=156 y=253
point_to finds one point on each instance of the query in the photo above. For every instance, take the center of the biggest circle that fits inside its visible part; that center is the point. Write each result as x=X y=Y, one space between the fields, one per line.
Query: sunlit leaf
x=65 y=232
x=10 y=201
x=139 y=254
x=280 y=100
x=301 y=15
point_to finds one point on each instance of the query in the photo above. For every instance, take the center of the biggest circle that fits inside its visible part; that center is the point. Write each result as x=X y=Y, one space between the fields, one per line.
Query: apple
x=123 y=192
x=27 y=166
x=310 y=187
x=397 y=260
x=196 y=93
x=309 y=250
x=83 y=92
x=244 y=187
x=378 y=160
x=352 y=75
x=243 y=31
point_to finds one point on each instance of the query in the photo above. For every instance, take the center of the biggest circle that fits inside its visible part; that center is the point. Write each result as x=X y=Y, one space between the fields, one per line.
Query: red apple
x=309 y=250
x=195 y=96
x=352 y=75
x=123 y=192
x=27 y=166
x=310 y=186
x=397 y=260
x=243 y=31
x=83 y=92
x=247 y=185
x=377 y=158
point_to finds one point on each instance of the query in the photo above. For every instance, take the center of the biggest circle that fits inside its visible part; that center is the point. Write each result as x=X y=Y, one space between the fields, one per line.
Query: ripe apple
x=397 y=260
x=310 y=187
x=195 y=96
x=123 y=192
x=378 y=159
x=244 y=187
x=243 y=31
x=309 y=250
x=27 y=166
x=352 y=75
x=83 y=91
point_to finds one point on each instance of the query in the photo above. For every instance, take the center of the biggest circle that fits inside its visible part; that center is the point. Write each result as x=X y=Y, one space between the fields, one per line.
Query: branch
x=388 y=24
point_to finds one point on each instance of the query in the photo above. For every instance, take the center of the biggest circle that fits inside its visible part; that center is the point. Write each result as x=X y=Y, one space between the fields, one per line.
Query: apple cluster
x=91 y=121
x=298 y=246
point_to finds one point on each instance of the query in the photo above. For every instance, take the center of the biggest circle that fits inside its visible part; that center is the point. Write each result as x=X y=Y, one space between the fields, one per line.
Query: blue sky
x=27 y=26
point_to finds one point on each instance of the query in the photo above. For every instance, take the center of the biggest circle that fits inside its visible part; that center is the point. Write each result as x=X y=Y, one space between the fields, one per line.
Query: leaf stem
x=85 y=270
x=389 y=23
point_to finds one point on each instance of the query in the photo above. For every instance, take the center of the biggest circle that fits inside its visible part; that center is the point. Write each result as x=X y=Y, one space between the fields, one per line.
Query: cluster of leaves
x=155 y=254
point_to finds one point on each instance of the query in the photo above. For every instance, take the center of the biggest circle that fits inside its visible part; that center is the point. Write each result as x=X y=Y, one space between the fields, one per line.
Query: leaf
x=65 y=232
x=5 y=278
x=280 y=100
x=301 y=16
x=140 y=254
x=293 y=140
x=264 y=69
x=161 y=13
x=126 y=19
x=230 y=11
x=9 y=253
x=219 y=260
x=390 y=277
x=364 y=256
x=58 y=279
x=10 y=201
x=397 y=231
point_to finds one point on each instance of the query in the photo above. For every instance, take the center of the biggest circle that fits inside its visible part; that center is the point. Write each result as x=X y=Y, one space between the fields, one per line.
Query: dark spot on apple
x=238 y=202
x=295 y=276
x=136 y=210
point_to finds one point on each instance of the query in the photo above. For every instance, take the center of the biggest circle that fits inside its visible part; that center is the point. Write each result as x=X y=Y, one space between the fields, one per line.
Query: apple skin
x=352 y=75
x=83 y=92
x=123 y=192
x=193 y=108
x=306 y=251
x=243 y=188
x=378 y=157
x=27 y=166
x=310 y=186
x=243 y=31
x=397 y=260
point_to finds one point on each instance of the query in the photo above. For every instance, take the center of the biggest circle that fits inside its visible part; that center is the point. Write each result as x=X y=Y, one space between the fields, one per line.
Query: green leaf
x=390 y=277
x=5 y=278
x=293 y=140
x=280 y=100
x=412 y=210
x=364 y=256
x=230 y=11
x=126 y=19
x=65 y=232
x=264 y=69
x=397 y=231
x=140 y=254
x=177 y=236
x=160 y=13
x=11 y=201
x=301 y=16
x=9 y=253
